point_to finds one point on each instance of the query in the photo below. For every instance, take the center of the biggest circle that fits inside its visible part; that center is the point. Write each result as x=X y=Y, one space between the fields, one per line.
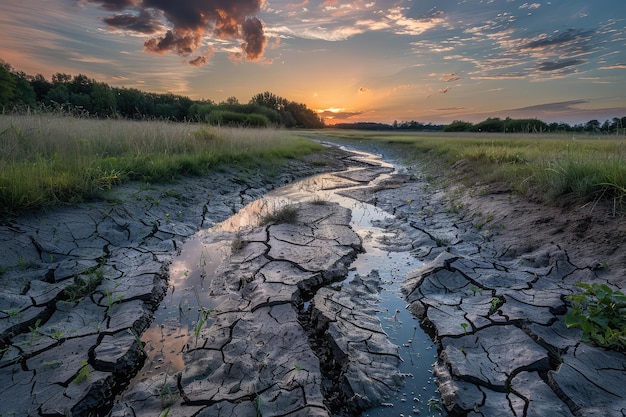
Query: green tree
x=458 y=126
x=103 y=102
x=58 y=95
x=7 y=84
x=41 y=86
x=23 y=93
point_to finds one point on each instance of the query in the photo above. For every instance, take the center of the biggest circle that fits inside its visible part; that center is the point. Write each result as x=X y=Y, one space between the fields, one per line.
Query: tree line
x=616 y=125
x=82 y=95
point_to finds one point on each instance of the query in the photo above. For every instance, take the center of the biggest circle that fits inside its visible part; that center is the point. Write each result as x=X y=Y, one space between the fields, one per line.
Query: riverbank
x=493 y=293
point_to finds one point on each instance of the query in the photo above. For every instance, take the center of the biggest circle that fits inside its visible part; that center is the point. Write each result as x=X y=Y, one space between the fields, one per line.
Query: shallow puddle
x=187 y=307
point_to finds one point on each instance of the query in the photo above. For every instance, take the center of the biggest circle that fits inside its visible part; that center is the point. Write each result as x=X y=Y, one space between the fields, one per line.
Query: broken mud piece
x=255 y=356
x=359 y=361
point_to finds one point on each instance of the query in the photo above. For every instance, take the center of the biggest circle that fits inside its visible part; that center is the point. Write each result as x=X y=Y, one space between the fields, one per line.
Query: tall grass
x=548 y=166
x=47 y=160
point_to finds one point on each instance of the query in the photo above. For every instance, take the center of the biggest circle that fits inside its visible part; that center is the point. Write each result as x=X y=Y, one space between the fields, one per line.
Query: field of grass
x=47 y=160
x=549 y=167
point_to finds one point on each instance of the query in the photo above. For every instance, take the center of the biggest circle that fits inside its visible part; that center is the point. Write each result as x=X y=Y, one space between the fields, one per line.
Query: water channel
x=186 y=303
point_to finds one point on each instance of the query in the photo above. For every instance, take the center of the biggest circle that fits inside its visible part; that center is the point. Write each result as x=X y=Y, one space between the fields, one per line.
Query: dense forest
x=82 y=95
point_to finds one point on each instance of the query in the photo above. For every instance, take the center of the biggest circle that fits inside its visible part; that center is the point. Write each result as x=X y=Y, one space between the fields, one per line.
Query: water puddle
x=186 y=305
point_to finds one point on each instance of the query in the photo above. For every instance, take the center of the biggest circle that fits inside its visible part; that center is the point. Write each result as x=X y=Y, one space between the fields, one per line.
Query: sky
x=352 y=61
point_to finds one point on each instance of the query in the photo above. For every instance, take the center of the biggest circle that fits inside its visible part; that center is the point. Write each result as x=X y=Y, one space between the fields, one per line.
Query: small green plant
x=140 y=343
x=601 y=266
x=286 y=214
x=297 y=367
x=434 y=404
x=34 y=331
x=258 y=406
x=168 y=398
x=600 y=312
x=83 y=372
x=112 y=300
x=495 y=304
x=464 y=326
x=83 y=285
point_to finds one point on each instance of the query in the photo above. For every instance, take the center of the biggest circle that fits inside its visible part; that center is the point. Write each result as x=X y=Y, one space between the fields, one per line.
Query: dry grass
x=56 y=159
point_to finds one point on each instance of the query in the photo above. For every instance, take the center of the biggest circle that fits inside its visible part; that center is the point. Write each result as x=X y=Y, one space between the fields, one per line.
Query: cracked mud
x=81 y=286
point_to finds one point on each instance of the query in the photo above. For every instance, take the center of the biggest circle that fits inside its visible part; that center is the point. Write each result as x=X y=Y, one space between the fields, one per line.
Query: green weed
x=83 y=373
x=600 y=312
x=285 y=214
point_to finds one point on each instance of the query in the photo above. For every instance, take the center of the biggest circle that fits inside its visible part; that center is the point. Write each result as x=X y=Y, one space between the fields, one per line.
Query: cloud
x=337 y=114
x=202 y=59
x=571 y=38
x=560 y=106
x=113 y=5
x=614 y=66
x=559 y=65
x=184 y=24
x=254 y=38
x=143 y=23
x=449 y=77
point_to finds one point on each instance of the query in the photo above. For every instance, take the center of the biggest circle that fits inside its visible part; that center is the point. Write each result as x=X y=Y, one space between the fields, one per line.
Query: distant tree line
x=412 y=125
x=508 y=125
x=615 y=126
x=82 y=95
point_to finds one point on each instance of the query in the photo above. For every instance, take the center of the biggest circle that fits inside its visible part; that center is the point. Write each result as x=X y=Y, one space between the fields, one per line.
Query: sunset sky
x=374 y=60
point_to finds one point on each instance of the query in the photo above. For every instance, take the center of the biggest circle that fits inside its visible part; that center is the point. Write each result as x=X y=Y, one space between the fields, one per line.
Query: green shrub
x=600 y=313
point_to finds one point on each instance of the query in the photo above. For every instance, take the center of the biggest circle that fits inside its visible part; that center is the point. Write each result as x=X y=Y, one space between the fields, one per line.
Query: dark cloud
x=569 y=36
x=559 y=65
x=561 y=106
x=143 y=23
x=199 y=61
x=182 y=43
x=254 y=37
x=189 y=21
x=114 y=5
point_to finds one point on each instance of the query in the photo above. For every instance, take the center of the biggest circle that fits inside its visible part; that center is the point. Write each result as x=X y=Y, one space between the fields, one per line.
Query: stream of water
x=201 y=256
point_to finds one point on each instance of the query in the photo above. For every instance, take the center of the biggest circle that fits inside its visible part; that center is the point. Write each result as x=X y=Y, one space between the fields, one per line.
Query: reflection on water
x=201 y=256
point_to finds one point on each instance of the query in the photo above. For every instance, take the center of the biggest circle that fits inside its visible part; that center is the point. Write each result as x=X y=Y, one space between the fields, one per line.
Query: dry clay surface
x=80 y=284
x=492 y=293
x=495 y=309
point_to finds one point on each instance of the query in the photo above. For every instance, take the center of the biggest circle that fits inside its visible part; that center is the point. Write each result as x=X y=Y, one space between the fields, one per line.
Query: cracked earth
x=81 y=285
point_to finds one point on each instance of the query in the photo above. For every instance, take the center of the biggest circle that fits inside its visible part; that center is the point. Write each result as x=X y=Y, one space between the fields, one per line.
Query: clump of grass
x=83 y=285
x=285 y=214
x=48 y=160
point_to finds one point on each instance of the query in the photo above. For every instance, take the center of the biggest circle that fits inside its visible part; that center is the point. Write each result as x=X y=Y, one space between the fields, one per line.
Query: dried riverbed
x=272 y=329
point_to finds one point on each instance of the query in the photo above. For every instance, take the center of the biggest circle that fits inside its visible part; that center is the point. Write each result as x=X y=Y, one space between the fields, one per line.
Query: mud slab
x=79 y=284
x=497 y=314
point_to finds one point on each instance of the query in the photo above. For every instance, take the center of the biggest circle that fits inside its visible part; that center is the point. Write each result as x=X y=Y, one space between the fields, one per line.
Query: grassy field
x=548 y=167
x=46 y=160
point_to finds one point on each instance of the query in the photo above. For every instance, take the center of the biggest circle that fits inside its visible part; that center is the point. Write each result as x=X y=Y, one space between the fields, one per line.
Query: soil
x=592 y=233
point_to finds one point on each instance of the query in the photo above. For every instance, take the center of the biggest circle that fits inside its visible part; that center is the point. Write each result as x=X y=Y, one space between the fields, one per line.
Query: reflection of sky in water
x=201 y=256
